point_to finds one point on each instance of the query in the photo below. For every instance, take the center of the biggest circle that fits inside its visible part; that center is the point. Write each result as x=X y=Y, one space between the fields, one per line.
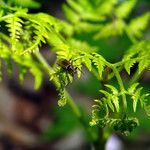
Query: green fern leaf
x=143 y=99
x=111 y=29
x=113 y=89
x=143 y=64
x=106 y=7
x=14 y=25
x=109 y=103
x=140 y=53
x=136 y=97
x=129 y=64
x=115 y=101
x=123 y=10
x=108 y=95
x=63 y=51
x=75 y=6
x=147 y=110
x=70 y=14
x=99 y=63
x=137 y=25
x=88 y=63
x=132 y=88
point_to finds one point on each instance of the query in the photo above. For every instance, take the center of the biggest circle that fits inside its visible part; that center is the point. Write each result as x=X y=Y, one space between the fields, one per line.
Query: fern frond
x=124 y=9
x=135 y=92
x=138 y=25
x=113 y=89
x=42 y=29
x=135 y=98
x=111 y=29
x=132 y=88
x=112 y=97
x=106 y=7
x=140 y=53
x=14 y=25
x=99 y=114
x=27 y=62
x=129 y=64
x=98 y=61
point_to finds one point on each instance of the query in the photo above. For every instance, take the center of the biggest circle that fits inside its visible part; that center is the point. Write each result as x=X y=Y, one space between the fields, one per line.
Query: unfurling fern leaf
x=125 y=125
x=99 y=114
x=63 y=82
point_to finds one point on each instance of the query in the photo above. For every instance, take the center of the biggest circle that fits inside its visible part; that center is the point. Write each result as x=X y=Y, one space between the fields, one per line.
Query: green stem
x=120 y=82
x=100 y=143
x=111 y=75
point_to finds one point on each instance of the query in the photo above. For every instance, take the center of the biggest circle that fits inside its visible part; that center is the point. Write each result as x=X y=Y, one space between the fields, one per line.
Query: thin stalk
x=101 y=141
x=120 y=82
x=111 y=75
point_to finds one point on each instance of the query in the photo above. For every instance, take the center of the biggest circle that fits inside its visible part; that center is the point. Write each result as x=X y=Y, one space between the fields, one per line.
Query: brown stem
x=101 y=142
